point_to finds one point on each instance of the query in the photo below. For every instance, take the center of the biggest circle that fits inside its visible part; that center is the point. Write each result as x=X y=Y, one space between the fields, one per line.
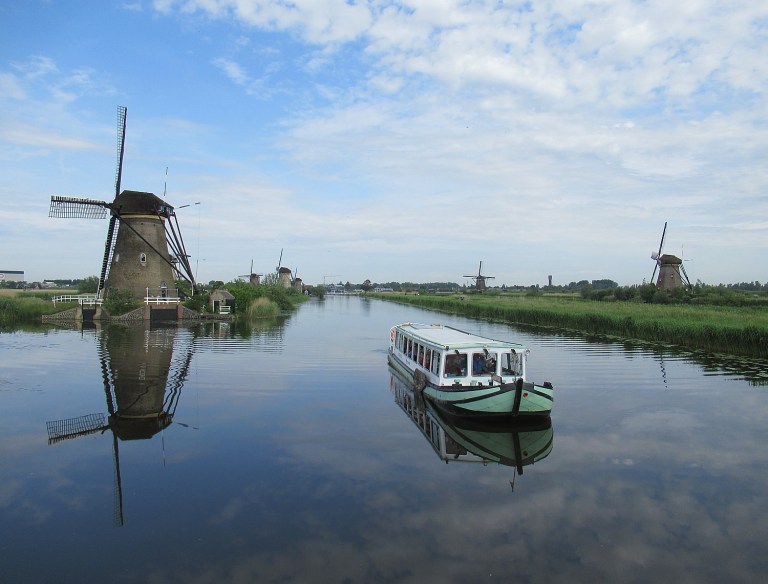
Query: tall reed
x=730 y=330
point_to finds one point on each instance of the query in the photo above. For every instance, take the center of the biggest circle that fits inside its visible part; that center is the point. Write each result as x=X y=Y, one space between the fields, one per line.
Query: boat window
x=456 y=365
x=511 y=364
x=484 y=363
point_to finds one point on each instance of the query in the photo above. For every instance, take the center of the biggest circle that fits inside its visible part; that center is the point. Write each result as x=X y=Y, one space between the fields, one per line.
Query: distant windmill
x=253 y=278
x=671 y=271
x=283 y=274
x=148 y=251
x=480 y=279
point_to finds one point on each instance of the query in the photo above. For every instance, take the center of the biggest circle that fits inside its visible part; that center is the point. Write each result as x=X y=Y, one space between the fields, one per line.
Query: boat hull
x=507 y=400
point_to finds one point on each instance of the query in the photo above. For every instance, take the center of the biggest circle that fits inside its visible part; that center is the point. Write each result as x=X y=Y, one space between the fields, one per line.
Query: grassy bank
x=23 y=306
x=731 y=330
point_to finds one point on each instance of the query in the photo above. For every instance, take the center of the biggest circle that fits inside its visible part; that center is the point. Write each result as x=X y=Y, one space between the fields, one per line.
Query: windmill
x=480 y=279
x=142 y=389
x=144 y=249
x=672 y=274
x=283 y=274
x=253 y=278
x=297 y=283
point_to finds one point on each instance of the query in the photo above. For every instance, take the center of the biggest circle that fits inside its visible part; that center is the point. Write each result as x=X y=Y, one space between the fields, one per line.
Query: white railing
x=224 y=309
x=162 y=295
x=161 y=300
x=82 y=299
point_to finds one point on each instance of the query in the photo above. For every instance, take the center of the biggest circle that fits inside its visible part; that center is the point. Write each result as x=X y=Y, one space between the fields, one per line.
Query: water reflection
x=457 y=440
x=754 y=370
x=143 y=379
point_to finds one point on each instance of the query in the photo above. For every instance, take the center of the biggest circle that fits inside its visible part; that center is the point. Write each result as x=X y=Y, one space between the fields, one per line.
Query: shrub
x=262 y=308
x=119 y=302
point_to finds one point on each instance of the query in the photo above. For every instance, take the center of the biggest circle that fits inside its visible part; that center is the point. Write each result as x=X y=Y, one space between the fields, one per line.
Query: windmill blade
x=658 y=253
x=176 y=246
x=480 y=269
x=122 y=113
x=687 y=279
x=663 y=234
x=78 y=208
x=108 y=248
x=280 y=261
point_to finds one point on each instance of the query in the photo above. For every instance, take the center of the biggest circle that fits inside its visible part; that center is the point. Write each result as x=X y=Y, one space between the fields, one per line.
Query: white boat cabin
x=449 y=356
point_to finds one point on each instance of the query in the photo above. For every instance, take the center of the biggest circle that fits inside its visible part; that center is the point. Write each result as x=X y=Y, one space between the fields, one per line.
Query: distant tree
x=367 y=286
x=604 y=284
x=88 y=285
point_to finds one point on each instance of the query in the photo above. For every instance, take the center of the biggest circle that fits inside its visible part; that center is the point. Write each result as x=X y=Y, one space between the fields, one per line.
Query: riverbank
x=720 y=329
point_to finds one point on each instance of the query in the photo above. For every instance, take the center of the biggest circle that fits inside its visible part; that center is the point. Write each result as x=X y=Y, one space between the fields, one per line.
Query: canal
x=287 y=452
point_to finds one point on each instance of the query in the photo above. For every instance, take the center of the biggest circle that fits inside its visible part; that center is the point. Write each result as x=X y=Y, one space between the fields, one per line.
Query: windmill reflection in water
x=142 y=383
x=467 y=440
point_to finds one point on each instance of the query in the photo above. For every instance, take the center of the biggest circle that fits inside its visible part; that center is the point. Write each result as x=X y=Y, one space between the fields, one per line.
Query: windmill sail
x=657 y=255
x=109 y=244
x=122 y=114
x=109 y=248
x=77 y=208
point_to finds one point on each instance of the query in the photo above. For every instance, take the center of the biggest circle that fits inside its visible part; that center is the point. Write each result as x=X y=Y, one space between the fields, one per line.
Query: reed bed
x=730 y=330
x=262 y=307
x=18 y=309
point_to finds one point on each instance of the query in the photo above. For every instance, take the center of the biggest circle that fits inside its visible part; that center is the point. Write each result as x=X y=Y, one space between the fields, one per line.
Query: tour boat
x=466 y=374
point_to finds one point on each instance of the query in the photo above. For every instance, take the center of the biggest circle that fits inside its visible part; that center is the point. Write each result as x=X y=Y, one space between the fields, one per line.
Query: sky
x=394 y=141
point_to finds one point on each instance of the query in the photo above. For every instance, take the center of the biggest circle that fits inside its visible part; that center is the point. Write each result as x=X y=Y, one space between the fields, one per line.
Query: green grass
x=721 y=329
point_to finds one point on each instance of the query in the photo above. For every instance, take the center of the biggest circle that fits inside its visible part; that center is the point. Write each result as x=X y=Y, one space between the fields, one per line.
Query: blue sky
x=400 y=141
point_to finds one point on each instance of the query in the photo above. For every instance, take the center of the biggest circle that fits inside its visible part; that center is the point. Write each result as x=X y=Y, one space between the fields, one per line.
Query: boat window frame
x=516 y=362
x=485 y=355
x=463 y=358
x=435 y=368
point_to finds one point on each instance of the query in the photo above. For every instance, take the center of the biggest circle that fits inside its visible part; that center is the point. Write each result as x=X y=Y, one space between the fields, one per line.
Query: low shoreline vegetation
x=262 y=301
x=735 y=330
x=26 y=307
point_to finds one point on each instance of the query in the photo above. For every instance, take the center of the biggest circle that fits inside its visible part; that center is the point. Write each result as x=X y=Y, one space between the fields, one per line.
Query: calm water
x=290 y=454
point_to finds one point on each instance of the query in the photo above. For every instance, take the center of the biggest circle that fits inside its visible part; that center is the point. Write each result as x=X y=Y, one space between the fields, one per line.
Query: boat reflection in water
x=142 y=381
x=464 y=440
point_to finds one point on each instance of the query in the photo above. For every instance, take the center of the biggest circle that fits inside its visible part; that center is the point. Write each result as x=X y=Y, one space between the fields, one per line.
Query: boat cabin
x=452 y=357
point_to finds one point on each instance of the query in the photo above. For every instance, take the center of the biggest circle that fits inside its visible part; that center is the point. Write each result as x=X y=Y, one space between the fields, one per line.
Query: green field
x=720 y=329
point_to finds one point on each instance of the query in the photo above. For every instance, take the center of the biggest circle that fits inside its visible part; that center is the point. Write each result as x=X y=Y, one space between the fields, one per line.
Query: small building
x=11 y=275
x=221 y=301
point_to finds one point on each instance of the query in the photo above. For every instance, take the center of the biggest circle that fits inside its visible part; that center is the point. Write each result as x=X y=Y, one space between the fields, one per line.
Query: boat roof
x=452 y=338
